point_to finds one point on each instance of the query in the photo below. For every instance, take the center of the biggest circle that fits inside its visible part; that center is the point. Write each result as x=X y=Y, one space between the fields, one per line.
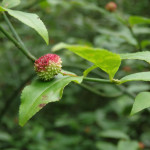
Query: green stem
x=95 y=91
x=13 y=30
x=120 y=87
x=124 y=90
x=133 y=34
x=17 y=44
x=96 y=80
x=86 y=78
x=87 y=71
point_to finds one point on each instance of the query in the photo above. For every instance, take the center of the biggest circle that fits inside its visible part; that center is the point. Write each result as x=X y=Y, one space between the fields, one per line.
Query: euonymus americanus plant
x=51 y=80
x=30 y=19
x=38 y=94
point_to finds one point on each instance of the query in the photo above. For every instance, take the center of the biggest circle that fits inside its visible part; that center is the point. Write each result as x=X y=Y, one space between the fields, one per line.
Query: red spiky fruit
x=111 y=6
x=48 y=66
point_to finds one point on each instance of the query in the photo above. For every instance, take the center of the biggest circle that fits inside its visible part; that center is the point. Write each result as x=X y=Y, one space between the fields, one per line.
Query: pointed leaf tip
x=141 y=102
x=31 y=20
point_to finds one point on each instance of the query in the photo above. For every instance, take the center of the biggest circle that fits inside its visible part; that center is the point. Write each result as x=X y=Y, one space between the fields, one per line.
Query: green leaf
x=104 y=59
x=87 y=71
x=124 y=34
x=141 y=30
x=116 y=134
x=59 y=46
x=130 y=145
x=2 y=9
x=141 y=76
x=145 y=43
x=138 y=20
x=10 y=3
x=105 y=146
x=38 y=94
x=139 y=55
x=4 y=136
x=107 y=61
x=141 y=102
x=33 y=21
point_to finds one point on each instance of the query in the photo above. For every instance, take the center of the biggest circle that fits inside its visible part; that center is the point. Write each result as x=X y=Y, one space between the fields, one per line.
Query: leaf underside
x=138 y=20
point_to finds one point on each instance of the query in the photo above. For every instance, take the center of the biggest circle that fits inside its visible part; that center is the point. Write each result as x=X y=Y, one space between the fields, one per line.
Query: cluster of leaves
x=32 y=20
x=99 y=35
x=105 y=60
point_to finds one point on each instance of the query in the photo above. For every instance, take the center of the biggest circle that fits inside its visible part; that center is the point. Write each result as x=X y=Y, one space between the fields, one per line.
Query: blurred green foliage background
x=81 y=120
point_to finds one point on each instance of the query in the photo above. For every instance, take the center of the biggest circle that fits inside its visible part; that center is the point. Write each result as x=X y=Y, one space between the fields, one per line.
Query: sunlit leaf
x=139 y=55
x=141 y=76
x=138 y=20
x=104 y=59
x=32 y=20
x=2 y=9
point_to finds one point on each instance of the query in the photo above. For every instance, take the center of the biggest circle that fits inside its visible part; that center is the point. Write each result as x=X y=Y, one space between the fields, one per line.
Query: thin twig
x=120 y=87
x=96 y=80
x=124 y=90
x=17 y=44
x=95 y=91
x=13 y=30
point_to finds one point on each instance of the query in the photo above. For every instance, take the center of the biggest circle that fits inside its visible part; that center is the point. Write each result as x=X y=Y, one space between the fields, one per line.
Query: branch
x=97 y=80
x=13 y=30
x=120 y=87
x=17 y=44
x=95 y=91
x=124 y=90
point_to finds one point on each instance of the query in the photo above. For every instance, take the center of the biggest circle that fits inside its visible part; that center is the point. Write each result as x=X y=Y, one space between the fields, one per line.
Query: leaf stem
x=96 y=80
x=18 y=45
x=120 y=87
x=95 y=91
x=13 y=30
x=124 y=90
x=87 y=71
